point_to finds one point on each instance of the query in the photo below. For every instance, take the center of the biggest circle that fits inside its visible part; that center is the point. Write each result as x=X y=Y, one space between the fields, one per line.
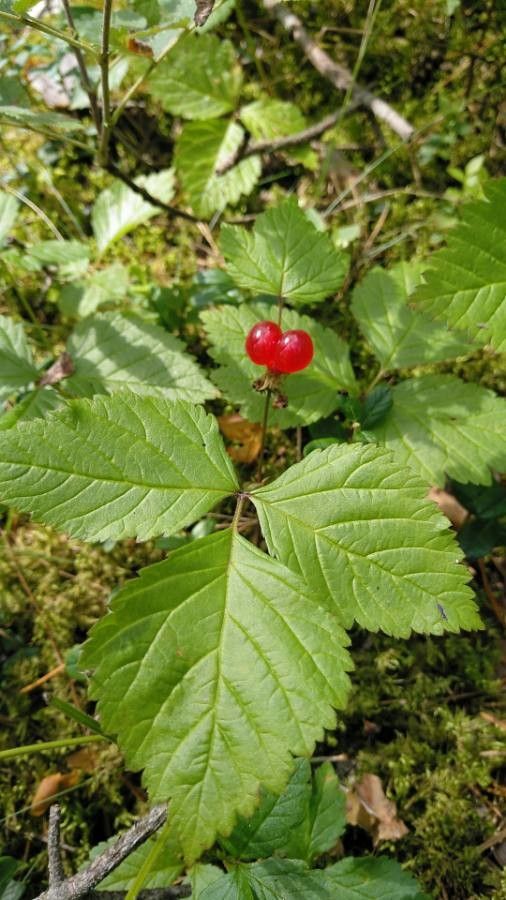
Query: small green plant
x=218 y=669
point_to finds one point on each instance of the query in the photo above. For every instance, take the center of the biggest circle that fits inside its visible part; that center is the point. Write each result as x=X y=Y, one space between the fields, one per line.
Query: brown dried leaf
x=246 y=437
x=449 y=505
x=62 y=368
x=203 y=11
x=48 y=788
x=368 y=807
x=85 y=760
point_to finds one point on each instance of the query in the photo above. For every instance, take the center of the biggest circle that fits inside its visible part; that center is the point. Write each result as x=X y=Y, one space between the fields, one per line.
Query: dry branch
x=338 y=75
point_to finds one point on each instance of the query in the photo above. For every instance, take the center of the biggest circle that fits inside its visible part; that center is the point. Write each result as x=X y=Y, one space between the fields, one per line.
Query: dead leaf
x=450 y=506
x=203 y=11
x=85 y=760
x=368 y=807
x=62 y=368
x=246 y=437
x=48 y=788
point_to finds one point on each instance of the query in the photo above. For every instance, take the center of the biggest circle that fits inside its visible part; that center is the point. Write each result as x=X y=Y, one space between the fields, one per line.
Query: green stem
x=28 y=749
x=83 y=71
x=264 y=433
x=48 y=30
x=149 y=862
x=103 y=152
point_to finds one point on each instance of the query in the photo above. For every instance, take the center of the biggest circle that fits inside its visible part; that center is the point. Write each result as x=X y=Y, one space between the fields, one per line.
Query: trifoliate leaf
x=201 y=149
x=273 y=879
x=284 y=255
x=199 y=79
x=399 y=336
x=119 y=209
x=8 y=211
x=116 y=467
x=269 y=829
x=465 y=284
x=234 y=667
x=311 y=394
x=440 y=425
x=17 y=369
x=354 y=522
x=371 y=878
x=111 y=352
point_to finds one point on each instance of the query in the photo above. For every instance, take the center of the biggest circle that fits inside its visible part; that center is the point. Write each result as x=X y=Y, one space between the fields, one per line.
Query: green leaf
x=484 y=502
x=440 y=425
x=274 y=879
x=111 y=352
x=72 y=258
x=82 y=298
x=33 y=405
x=478 y=537
x=465 y=284
x=116 y=467
x=17 y=369
x=119 y=209
x=375 y=406
x=268 y=119
x=29 y=118
x=284 y=255
x=10 y=889
x=327 y=813
x=269 y=829
x=371 y=878
x=399 y=336
x=311 y=394
x=166 y=867
x=235 y=668
x=8 y=211
x=354 y=523
x=200 y=150
x=199 y=79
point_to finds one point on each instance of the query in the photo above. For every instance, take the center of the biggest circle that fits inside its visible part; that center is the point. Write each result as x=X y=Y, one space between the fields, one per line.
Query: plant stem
x=157 y=848
x=37 y=25
x=264 y=432
x=238 y=510
x=28 y=749
x=103 y=152
x=85 y=79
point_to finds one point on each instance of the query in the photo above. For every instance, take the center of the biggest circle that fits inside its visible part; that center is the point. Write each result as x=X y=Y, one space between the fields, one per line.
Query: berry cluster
x=282 y=353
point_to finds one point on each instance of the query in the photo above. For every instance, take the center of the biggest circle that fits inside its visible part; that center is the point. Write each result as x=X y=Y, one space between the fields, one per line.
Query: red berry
x=294 y=351
x=262 y=341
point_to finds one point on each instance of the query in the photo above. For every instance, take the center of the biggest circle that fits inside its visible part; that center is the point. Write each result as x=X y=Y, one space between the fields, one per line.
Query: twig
x=54 y=863
x=171 y=893
x=103 y=152
x=172 y=210
x=80 y=884
x=289 y=140
x=85 y=80
x=42 y=680
x=48 y=30
x=338 y=75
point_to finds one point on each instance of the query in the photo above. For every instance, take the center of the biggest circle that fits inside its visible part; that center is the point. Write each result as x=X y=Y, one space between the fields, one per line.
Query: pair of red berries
x=282 y=353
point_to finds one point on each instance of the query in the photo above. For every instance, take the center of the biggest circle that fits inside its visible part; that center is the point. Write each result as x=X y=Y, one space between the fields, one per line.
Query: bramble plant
x=218 y=669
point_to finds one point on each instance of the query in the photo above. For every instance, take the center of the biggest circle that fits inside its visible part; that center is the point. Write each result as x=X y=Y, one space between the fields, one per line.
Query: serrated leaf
x=112 y=352
x=234 y=668
x=119 y=209
x=465 y=284
x=284 y=255
x=311 y=394
x=484 y=502
x=8 y=211
x=17 y=369
x=354 y=523
x=375 y=406
x=327 y=812
x=82 y=298
x=200 y=150
x=274 y=879
x=29 y=118
x=116 y=467
x=163 y=873
x=440 y=425
x=199 y=79
x=71 y=257
x=399 y=336
x=371 y=878
x=269 y=829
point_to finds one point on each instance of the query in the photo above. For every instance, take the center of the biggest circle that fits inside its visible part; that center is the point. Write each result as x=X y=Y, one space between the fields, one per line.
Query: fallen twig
x=83 y=882
x=338 y=75
x=55 y=868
